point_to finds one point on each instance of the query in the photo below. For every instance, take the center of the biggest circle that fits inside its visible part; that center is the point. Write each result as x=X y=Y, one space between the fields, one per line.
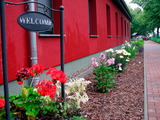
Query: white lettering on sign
x=29 y=20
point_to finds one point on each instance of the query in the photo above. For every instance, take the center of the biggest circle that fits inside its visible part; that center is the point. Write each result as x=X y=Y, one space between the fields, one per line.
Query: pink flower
x=119 y=64
x=110 y=61
x=95 y=64
x=102 y=57
x=93 y=59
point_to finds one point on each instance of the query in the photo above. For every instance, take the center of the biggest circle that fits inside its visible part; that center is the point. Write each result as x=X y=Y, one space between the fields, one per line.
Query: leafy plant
x=38 y=103
x=121 y=58
x=76 y=90
x=156 y=39
x=130 y=48
x=78 y=118
x=104 y=72
x=104 y=77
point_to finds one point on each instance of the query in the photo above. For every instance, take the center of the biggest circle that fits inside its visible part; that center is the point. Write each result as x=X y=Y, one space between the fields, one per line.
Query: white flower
x=120 y=68
x=119 y=51
x=35 y=89
x=129 y=54
x=110 y=50
x=77 y=87
x=127 y=60
x=121 y=56
x=134 y=48
x=126 y=53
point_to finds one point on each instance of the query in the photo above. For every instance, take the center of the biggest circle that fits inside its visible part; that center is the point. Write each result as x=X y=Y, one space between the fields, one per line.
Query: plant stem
x=31 y=82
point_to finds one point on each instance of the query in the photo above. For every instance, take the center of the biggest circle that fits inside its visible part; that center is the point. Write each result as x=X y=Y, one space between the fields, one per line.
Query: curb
x=85 y=73
x=145 y=93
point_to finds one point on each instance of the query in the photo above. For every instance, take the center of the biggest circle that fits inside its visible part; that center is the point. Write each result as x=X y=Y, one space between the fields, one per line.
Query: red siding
x=78 y=43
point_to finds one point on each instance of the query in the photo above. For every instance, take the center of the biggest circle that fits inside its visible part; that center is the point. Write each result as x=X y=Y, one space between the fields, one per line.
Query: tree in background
x=138 y=24
x=151 y=14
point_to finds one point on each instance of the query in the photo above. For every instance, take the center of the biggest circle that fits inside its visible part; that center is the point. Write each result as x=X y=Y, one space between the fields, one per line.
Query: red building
x=90 y=26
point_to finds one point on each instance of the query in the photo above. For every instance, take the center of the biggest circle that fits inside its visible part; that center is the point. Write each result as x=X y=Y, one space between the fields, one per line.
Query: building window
x=92 y=17
x=116 y=24
x=54 y=15
x=121 y=26
x=125 y=29
x=108 y=21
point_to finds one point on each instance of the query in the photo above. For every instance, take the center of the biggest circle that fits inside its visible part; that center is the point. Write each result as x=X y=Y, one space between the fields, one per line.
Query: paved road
x=152 y=75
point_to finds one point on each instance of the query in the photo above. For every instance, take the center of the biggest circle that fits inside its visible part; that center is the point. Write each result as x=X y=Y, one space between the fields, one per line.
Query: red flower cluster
x=36 y=69
x=57 y=75
x=46 y=88
x=22 y=74
x=2 y=103
x=25 y=73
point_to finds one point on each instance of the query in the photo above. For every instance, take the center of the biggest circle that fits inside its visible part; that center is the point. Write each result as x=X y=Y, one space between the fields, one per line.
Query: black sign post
x=4 y=60
x=62 y=47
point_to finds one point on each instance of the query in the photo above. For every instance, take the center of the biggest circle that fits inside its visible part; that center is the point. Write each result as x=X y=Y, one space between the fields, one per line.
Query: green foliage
x=29 y=105
x=130 y=48
x=39 y=103
x=68 y=109
x=116 y=61
x=149 y=18
x=104 y=79
x=78 y=118
x=2 y=114
x=156 y=39
x=138 y=23
x=121 y=58
x=140 y=42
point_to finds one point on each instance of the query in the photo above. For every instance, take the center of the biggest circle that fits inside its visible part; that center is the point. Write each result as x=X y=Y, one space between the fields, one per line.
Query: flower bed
x=108 y=90
x=125 y=101
x=45 y=101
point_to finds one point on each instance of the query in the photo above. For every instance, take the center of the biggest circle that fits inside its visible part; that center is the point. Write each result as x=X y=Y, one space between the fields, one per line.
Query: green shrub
x=156 y=39
x=104 y=77
x=131 y=48
x=104 y=72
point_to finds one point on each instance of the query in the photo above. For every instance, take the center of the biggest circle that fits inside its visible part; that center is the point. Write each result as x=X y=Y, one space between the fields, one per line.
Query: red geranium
x=46 y=88
x=2 y=103
x=57 y=75
x=22 y=74
x=36 y=69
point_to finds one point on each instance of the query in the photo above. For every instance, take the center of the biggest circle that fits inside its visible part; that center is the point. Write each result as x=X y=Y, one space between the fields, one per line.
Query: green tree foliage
x=151 y=14
x=138 y=24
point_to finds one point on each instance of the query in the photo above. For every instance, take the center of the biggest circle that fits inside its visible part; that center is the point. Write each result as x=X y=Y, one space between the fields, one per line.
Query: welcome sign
x=35 y=21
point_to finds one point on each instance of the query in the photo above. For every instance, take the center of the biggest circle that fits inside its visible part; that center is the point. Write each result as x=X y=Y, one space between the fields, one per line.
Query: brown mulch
x=125 y=101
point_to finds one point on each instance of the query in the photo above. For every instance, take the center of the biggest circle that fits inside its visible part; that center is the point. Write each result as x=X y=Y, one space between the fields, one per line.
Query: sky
x=133 y=6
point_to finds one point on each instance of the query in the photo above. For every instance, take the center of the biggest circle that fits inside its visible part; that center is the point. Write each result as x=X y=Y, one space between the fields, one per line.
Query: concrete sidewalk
x=152 y=80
